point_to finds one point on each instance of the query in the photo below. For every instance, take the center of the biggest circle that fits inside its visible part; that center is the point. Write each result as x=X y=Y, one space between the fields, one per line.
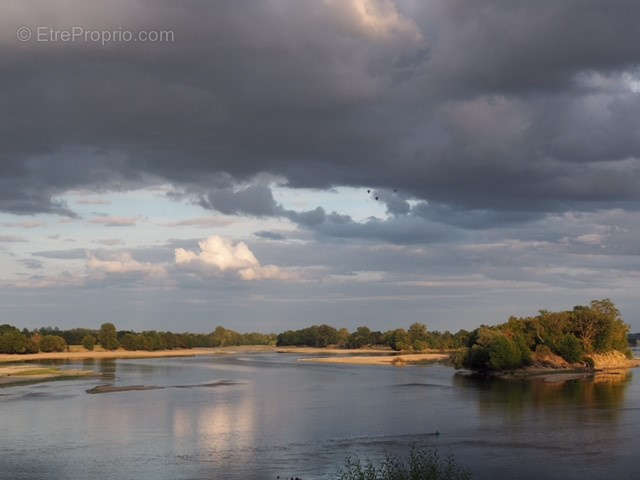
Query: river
x=276 y=416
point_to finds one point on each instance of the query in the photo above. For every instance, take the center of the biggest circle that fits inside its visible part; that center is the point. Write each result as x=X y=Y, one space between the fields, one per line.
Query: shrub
x=494 y=350
x=88 y=342
x=52 y=343
x=477 y=358
x=32 y=346
x=419 y=345
x=398 y=339
x=570 y=348
x=421 y=464
x=132 y=341
x=12 y=341
x=504 y=354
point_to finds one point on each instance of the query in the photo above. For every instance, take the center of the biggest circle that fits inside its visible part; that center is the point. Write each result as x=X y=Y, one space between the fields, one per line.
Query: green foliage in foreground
x=596 y=328
x=420 y=465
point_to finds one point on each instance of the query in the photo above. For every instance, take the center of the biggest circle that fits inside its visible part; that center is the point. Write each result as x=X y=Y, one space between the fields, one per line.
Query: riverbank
x=21 y=374
x=395 y=360
x=79 y=353
x=555 y=369
x=332 y=350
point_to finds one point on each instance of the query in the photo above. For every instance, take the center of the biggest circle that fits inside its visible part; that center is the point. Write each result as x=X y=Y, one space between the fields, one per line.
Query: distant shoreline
x=77 y=354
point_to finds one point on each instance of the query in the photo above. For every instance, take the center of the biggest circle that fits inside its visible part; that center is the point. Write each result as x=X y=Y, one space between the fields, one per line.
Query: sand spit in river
x=79 y=353
x=129 y=388
x=397 y=360
x=20 y=374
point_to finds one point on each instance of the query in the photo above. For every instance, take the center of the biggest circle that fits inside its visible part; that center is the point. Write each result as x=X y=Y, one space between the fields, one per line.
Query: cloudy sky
x=278 y=163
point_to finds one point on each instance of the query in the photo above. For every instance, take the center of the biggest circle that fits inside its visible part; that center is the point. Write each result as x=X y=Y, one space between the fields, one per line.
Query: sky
x=273 y=164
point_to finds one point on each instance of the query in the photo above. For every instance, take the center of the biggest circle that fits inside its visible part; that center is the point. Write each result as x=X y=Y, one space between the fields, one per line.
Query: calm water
x=284 y=418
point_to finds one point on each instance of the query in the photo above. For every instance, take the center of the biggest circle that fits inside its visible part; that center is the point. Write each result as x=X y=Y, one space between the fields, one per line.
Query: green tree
x=132 y=341
x=108 y=337
x=52 y=343
x=343 y=337
x=359 y=338
x=570 y=348
x=418 y=336
x=12 y=341
x=88 y=342
x=398 y=339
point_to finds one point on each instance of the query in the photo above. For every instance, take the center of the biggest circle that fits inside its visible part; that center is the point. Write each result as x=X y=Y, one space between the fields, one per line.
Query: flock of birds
x=377 y=195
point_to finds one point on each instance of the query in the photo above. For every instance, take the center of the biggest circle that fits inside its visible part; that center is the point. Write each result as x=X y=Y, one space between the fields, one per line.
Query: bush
x=131 y=341
x=570 y=348
x=398 y=339
x=421 y=464
x=52 y=343
x=13 y=342
x=504 y=354
x=32 y=346
x=88 y=342
x=495 y=350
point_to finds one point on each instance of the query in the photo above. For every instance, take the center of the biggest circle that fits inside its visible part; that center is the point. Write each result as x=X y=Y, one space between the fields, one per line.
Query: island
x=585 y=339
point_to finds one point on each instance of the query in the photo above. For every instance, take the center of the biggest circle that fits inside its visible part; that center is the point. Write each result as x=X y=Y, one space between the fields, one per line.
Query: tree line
x=13 y=340
x=572 y=334
x=416 y=338
x=52 y=339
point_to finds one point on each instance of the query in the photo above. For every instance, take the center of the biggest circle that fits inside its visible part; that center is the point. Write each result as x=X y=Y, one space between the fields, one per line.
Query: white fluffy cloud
x=219 y=254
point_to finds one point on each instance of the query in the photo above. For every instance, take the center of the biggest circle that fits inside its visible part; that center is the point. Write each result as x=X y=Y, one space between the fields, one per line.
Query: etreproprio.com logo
x=78 y=34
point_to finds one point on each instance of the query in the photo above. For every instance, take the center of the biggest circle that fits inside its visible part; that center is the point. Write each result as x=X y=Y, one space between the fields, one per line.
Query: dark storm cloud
x=253 y=200
x=486 y=108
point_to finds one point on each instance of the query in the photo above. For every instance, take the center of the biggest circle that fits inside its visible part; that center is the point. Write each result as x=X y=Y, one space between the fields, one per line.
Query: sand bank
x=331 y=351
x=397 y=360
x=79 y=354
x=18 y=374
x=129 y=388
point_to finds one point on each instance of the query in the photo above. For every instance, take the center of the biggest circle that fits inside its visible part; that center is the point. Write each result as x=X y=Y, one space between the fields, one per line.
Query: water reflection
x=105 y=367
x=600 y=395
